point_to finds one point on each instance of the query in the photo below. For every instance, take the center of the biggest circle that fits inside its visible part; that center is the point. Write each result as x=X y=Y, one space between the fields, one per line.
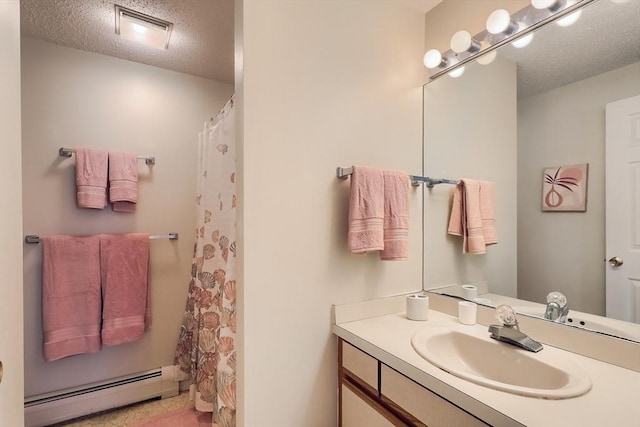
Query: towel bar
x=34 y=238
x=67 y=152
x=343 y=173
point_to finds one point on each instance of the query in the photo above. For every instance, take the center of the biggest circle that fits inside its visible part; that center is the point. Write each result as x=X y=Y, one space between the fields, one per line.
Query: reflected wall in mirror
x=532 y=108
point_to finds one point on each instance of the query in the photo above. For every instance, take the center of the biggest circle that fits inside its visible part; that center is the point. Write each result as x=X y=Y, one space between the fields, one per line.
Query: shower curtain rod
x=67 y=152
x=343 y=173
x=34 y=238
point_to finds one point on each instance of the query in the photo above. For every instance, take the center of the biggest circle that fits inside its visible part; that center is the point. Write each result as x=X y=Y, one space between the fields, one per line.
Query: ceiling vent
x=141 y=28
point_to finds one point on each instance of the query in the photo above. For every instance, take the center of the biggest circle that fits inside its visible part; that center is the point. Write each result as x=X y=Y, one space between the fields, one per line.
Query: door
x=11 y=341
x=623 y=209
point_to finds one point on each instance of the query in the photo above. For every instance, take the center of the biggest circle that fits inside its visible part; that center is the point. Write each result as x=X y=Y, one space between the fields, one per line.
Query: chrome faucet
x=557 y=308
x=509 y=331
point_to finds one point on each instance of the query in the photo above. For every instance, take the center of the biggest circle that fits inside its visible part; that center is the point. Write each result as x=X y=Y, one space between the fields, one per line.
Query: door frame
x=11 y=282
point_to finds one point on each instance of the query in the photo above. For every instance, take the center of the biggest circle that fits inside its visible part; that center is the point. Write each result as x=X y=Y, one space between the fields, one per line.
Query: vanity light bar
x=529 y=19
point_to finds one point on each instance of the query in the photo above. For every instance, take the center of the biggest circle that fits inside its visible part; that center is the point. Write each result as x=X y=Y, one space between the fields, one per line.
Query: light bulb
x=457 y=72
x=463 y=42
x=570 y=19
x=523 y=41
x=487 y=58
x=432 y=59
x=499 y=22
x=552 y=5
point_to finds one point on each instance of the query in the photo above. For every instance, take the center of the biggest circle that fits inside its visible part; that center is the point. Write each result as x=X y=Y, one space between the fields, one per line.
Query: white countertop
x=614 y=399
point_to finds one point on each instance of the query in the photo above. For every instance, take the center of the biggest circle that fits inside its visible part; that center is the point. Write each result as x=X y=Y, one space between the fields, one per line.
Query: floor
x=128 y=415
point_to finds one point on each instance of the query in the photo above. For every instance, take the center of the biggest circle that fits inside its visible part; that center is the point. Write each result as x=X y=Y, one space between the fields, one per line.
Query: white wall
x=461 y=140
x=560 y=127
x=325 y=84
x=11 y=389
x=75 y=99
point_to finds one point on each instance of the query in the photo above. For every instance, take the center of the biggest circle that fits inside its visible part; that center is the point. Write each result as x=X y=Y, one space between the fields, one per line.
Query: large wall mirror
x=558 y=102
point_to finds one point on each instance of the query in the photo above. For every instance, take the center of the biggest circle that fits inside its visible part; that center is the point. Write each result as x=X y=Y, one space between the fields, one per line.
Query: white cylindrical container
x=467 y=312
x=469 y=291
x=417 y=307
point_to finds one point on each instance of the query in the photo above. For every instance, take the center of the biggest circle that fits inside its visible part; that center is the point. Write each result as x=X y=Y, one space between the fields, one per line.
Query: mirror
x=535 y=107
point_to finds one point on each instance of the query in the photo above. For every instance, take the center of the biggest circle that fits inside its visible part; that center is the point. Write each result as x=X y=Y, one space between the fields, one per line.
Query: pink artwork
x=564 y=188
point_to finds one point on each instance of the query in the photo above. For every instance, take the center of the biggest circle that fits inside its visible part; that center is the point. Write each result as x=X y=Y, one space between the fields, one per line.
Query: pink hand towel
x=70 y=295
x=488 y=212
x=473 y=215
x=91 y=178
x=366 y=210
x=396 y=216
x=124 y=261
x=123 y=181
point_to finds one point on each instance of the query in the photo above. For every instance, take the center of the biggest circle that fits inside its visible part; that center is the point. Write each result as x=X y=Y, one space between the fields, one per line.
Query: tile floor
x=129 y=415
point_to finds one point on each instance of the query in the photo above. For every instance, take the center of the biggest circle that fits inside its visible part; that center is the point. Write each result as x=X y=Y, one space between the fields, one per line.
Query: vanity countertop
x=614 y=398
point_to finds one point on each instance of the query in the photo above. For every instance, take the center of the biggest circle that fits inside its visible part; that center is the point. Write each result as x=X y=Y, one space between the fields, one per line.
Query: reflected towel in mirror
x=473 y=215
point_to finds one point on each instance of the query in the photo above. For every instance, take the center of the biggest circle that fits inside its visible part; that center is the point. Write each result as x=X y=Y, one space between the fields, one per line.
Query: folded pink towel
x=366 y=210
x=396 y=216
x=123 y=181
x=91 y=178
x=473 y=215
x=124 y=261
x=70 y=295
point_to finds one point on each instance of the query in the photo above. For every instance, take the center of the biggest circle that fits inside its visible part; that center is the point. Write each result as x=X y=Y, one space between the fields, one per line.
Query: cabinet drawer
x=359 y=410
x=421 y=403
x=360 y=364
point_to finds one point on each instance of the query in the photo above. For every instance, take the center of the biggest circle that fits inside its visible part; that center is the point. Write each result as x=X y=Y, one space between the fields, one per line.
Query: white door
x=623 y=209
x=11 y=341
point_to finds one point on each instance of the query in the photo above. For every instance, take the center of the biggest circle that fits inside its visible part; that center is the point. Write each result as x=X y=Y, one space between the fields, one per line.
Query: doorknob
x=0 y=371
x=616 y=261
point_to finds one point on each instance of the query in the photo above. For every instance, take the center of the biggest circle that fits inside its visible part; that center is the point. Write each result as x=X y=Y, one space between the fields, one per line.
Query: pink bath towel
x=124 y=260
x=473 y=215
x=70 y=295
x=91 y=178
x=366 y=210
x=396 y=216
x=123 y=181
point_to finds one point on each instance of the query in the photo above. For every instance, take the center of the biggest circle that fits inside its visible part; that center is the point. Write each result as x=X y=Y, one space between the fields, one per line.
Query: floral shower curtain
x=205 y=353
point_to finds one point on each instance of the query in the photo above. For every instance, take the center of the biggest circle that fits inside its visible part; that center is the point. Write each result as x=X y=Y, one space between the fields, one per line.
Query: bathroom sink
x=501 y=366
x=592 y=323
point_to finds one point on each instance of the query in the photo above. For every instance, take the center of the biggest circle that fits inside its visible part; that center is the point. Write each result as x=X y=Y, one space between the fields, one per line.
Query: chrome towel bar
x=343 y=173
x=67 y=152
x=34 y=238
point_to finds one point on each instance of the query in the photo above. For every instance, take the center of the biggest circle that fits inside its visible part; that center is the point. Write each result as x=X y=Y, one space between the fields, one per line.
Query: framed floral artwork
x=564 y=188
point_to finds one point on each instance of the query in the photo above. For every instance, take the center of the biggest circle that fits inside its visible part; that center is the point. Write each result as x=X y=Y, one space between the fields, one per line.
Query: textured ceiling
x=201 y=42
x=605 y=37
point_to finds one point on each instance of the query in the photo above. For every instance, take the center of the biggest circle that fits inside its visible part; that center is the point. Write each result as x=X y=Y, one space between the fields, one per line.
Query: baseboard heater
x=62 y=405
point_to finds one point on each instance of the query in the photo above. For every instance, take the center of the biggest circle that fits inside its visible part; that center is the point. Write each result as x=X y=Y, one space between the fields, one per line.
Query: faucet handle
x=557 y=298
x=506 y=315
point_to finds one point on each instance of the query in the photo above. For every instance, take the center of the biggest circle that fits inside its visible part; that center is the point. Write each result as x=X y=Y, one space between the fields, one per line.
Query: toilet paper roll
x=467 y=312
x=417 y=307
x=469 y=291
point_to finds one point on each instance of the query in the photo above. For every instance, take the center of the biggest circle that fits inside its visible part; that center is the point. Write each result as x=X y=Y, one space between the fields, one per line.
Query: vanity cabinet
x=372 y=394
x=360 y=410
